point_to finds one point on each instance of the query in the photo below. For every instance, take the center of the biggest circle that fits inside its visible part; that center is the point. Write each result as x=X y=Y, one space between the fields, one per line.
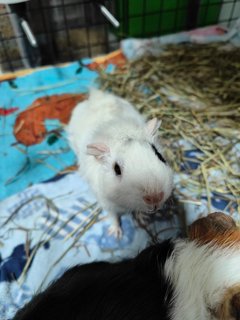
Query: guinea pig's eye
x=158 y=154
x=117 y=169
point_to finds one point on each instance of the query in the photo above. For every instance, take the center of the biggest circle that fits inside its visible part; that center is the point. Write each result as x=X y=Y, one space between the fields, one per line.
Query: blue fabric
x=17 y=170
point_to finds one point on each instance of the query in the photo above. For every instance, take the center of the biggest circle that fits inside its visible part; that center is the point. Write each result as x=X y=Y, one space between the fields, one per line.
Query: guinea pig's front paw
x=142 y=218
x=116 y=231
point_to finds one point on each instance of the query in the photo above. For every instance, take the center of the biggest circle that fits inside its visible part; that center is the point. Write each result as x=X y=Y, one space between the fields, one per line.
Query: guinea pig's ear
x=152 y=126
x=98 y=150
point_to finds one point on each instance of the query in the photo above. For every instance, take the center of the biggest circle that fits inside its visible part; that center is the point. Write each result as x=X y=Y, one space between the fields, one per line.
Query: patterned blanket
x=51 y=226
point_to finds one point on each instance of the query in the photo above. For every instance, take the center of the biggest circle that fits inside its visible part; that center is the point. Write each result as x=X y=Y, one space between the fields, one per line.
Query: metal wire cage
x=41 y=32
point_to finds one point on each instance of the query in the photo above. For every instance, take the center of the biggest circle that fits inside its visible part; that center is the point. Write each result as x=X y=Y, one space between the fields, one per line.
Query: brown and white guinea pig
x=119 y=155
x=186 y=279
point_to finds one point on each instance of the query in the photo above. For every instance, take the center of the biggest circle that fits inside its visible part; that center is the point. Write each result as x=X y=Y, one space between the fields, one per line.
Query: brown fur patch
x=217 y=228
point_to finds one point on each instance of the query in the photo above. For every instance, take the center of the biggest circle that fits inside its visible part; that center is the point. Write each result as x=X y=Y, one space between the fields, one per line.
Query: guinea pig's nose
x=154 y=198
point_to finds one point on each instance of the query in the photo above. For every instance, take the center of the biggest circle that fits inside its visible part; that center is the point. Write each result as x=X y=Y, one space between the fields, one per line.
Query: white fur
x=200 y=276
x=107 y=119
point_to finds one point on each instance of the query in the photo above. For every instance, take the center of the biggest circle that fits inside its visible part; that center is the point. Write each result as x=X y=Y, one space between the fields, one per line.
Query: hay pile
x=195 y=90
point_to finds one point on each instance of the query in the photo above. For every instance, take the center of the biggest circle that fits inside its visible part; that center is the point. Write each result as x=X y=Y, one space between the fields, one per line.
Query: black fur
x=158 y=154
x=134 y=289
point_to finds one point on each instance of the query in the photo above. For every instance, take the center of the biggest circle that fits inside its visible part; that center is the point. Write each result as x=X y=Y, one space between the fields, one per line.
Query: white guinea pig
x=119 y=155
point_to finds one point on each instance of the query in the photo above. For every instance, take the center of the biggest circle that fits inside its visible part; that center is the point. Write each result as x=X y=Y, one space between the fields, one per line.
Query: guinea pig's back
x=89 y=118
x=105 y=107
x=131 y=289
x=79 y=125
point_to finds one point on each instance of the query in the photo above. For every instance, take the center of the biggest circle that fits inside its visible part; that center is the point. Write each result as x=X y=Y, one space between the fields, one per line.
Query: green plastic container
x=161 y=16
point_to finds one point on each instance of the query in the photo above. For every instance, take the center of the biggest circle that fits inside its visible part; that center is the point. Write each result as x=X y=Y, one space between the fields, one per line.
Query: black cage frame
x=94 y=34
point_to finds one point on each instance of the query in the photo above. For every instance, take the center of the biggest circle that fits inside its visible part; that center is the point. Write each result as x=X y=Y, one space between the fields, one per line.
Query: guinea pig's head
x=205 y=271
x=134 y=172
